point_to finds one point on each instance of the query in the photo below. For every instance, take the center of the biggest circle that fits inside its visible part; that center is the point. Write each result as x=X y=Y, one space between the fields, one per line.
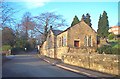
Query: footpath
x=79 y=70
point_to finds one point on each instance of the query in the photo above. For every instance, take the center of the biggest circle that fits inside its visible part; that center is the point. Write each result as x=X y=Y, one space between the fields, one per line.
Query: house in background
x=79 y=38
x=115 y=30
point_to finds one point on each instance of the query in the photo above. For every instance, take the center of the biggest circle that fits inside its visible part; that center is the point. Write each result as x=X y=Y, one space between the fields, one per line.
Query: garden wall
x=99 y=62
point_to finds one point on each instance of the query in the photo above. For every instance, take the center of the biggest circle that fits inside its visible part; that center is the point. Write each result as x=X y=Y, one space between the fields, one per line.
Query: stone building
x=79 y=38
x=49 y=46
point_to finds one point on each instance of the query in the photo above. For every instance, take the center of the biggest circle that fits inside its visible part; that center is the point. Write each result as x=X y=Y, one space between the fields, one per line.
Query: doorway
x=76 y=43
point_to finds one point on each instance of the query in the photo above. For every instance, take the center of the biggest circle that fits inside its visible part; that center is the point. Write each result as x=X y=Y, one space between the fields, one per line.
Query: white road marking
x=75 y=70
x=70 y=69
x=46 y=60
x=85 y=73
x=67 y=68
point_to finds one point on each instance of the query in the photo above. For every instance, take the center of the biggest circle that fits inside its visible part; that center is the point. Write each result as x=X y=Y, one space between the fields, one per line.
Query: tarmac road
x=32 y=66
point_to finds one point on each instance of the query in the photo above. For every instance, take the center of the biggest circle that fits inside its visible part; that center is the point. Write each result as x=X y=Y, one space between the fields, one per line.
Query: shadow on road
x=12 y=56
x=25 y=52
x=32 y=66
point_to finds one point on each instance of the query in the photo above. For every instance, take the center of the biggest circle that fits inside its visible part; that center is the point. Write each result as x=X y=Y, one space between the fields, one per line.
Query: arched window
x=60 y=42
x=89 y=41
x=85 y=41
x=64 y=41
x=49 y=42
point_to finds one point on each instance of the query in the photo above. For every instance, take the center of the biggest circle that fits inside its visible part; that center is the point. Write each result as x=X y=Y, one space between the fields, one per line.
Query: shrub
x=6 y=47
x=116 y=51
x=111 y=36
x=116 y=46
x=109 y=50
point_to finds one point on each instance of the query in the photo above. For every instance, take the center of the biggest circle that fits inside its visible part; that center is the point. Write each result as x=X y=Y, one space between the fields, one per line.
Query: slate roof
x=56 y=32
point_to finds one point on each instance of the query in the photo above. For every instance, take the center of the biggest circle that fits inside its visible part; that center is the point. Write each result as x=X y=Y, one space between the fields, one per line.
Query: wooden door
x=76 y=43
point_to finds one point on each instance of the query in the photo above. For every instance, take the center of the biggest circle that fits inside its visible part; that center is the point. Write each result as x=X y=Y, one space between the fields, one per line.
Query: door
x=76 y=43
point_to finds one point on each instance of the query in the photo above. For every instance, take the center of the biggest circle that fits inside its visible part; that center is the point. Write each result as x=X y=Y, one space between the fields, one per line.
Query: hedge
x=109 y=50
x=6 y=47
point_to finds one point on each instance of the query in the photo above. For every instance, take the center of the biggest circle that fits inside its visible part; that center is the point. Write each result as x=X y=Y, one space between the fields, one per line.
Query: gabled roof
x=76 y=24
x=56 y=32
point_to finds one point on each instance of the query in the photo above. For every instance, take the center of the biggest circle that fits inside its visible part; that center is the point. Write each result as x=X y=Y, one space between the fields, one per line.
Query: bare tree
x=27 y=24
x=47 y=19
x=6 y=15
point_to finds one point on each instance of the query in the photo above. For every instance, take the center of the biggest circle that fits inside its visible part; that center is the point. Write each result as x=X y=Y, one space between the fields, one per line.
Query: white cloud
x=30 y=4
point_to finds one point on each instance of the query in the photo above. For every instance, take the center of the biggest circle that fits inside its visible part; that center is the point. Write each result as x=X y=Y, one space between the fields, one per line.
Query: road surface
x=32 y=66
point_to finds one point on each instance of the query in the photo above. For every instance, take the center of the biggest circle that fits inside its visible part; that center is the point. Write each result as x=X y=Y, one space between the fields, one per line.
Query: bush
x=116 y=51
x=116 y=46
x=6 y=47
x=111 y=36
x=109 y=50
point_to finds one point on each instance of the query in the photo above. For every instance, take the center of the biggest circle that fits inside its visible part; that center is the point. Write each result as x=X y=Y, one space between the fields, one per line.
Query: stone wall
x=78 y=32
x=60 y=51
x=63 y=50
x=50 y=53
x=43 y=50
x=50 y=41
x=82 y=50
x=99 y=62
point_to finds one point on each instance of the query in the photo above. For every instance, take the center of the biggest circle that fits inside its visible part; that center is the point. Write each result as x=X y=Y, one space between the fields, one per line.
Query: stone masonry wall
x=50 y=53
x=61 y=47
x=78 y=32
x=60 y=51
x=99 y=62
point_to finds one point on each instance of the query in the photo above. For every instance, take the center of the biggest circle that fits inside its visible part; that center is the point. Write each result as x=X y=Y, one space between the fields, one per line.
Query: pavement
x=79 y=70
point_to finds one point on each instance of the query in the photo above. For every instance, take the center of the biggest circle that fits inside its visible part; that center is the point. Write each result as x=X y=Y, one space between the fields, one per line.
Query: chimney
x=50 y=27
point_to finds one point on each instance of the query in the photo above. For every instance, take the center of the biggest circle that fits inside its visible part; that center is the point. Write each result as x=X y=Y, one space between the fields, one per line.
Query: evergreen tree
x=83 y=17
x=99 y=30
x=75 y=21
x=88 y=20
x=103 y=25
